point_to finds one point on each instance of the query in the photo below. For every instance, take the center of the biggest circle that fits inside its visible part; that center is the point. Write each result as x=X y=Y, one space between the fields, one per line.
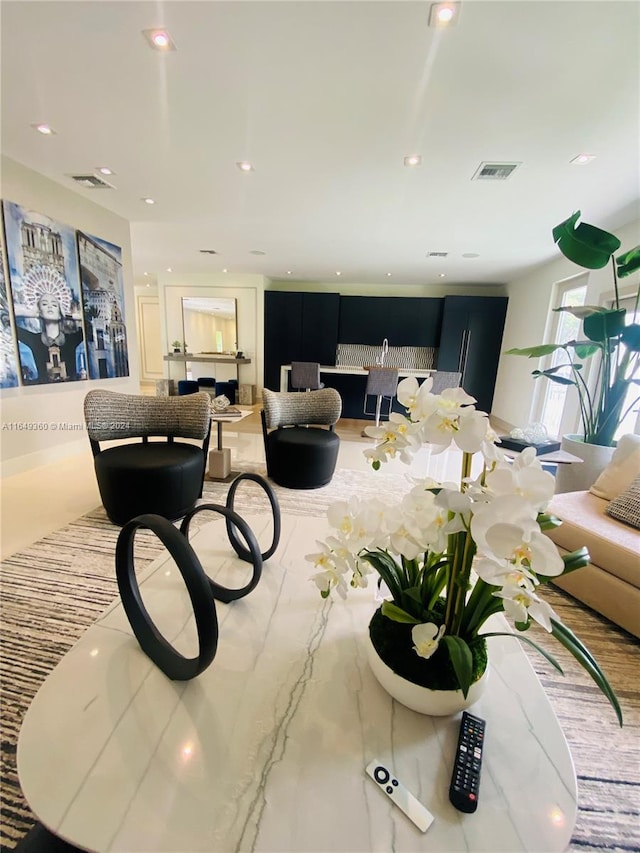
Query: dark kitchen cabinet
x=471 y=340
x=298 y=327
x=402 y=320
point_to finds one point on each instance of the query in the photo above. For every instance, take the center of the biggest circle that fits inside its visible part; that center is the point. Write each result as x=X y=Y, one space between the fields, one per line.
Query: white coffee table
x=266 y=750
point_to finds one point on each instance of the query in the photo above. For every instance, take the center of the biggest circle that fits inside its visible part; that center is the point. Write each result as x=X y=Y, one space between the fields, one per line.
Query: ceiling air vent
x=208 y=252
x=494 y=171
x=92 y=182
x=437 y=254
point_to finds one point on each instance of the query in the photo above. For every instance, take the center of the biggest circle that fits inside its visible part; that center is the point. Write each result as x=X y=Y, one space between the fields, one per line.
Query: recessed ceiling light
x=225 y=270
x=288 y=272
x=45 y=129
x=148 y=200
x=244 y=166
x=413 y=160
x=105 y=170
x=169 y=269
x=338 y=273
x=146 y=273
x=582 y=159
x=159 y=39
x=442 y=275
x=444 y=14
x=388 y=275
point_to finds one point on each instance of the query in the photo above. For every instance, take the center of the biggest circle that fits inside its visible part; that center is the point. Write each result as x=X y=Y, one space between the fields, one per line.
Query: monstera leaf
x=585 y=244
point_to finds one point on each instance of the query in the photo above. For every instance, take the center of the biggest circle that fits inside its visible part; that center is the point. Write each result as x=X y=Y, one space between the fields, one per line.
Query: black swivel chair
x=164 y=477
x=301 y=454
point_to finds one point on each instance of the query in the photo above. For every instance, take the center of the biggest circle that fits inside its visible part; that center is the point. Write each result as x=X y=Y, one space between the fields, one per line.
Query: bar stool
x=382 y=382
x=305 y=375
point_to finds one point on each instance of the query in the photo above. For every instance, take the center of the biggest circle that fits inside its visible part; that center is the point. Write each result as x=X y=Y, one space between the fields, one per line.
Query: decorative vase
x=436 y=702
x=580 y=476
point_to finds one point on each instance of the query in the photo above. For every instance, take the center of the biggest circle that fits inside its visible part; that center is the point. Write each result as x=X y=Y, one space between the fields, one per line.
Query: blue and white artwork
x=103 y=300
x=8 y=365
x=45 y=290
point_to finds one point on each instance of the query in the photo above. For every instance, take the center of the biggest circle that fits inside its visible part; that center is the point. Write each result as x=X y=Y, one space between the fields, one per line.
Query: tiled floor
x=36 y=502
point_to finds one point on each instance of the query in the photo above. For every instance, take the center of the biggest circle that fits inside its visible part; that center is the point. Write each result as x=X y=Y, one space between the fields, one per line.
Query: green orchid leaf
x=584 y=657
x=534 y=352
x=575 y=560
x=628 y=262
x=585 y=244
x=397 y=614
x=538 y=648
x=604 y=325
x=631 y=337
x=461 y=659
x=547 y=521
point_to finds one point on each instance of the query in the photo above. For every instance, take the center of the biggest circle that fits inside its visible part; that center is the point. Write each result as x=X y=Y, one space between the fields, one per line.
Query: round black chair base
x=158 y=478
x=301 y=457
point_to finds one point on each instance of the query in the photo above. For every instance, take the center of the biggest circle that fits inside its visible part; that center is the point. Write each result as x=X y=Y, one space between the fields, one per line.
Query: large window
x=631 y=422
x=565 y=327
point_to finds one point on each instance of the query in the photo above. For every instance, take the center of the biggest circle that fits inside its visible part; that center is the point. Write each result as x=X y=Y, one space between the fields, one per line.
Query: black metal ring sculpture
x=275 y=510
x=153 y=644
x=222 y=593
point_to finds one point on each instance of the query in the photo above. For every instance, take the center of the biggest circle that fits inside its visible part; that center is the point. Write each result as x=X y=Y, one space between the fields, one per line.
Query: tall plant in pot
x=612 y=344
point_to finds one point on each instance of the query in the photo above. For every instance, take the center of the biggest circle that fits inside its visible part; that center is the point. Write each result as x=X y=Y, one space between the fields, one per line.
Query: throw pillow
x=621 y=471
x=626 y=507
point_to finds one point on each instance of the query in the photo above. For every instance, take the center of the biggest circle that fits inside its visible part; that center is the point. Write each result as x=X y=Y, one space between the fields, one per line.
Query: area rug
x=53 y=590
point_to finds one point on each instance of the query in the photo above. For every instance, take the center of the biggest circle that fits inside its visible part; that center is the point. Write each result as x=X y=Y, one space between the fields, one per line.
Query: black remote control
x=465 y=780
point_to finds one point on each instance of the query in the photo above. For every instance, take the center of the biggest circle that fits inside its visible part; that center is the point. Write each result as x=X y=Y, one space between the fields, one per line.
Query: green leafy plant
x=607 y=337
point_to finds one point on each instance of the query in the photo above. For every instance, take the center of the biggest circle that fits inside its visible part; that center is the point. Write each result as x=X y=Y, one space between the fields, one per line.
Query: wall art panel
x=8 y=364
x=45 y=289
x=103 y=300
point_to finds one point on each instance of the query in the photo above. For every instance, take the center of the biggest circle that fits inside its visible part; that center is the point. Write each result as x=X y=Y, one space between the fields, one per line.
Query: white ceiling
x=326 y=99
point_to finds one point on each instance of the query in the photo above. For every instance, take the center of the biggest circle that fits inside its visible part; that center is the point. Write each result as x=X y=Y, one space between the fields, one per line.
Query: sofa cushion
x=626 y=507
x=621 y=471
x=612 y=546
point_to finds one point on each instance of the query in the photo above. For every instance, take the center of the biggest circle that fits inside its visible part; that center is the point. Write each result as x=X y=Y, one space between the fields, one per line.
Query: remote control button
x=381 y=774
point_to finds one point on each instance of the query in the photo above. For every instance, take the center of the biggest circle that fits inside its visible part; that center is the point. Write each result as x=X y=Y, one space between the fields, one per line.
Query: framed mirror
x=209 y=325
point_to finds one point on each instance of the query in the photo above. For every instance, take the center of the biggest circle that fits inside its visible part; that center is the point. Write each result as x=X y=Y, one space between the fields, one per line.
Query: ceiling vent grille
x=208 y=252
x=92 y=182
x=437 y=254
x=495 y=171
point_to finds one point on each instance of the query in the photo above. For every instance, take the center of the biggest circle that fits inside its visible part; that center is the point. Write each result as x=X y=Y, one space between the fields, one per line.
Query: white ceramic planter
x=435 y=703
x=580 y=476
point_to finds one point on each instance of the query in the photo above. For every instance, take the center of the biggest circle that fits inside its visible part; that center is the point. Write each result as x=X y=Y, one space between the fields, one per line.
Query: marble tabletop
x=266 y=750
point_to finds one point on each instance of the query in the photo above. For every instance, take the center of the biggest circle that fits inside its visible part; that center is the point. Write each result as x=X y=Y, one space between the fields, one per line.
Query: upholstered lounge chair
x=163 y=476
x=300 y=453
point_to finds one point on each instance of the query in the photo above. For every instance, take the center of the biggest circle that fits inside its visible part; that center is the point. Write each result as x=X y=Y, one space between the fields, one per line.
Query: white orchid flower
x=522 y=545
x=512 y=508
x=329 y=579
x=523 y=477
x=500 y=572
x=520 y=603
x=426 y=638
x=407 y=392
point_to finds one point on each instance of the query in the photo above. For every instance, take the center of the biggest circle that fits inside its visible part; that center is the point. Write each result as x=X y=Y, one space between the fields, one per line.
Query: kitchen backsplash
x=408 y=358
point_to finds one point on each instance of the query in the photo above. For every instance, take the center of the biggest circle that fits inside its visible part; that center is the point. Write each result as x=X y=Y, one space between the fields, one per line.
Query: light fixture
x=582 y=159
x=146 y=273
x=148 y=200
x=288 y=272
x=413 y=160
x=225 y=270
x=444 y=14
x=388 y=275
x=338 y=272
x=45 y=129
x=169 y=269
x=244 y=166
x=442 y=275
x=159 y=39
x=105 y=170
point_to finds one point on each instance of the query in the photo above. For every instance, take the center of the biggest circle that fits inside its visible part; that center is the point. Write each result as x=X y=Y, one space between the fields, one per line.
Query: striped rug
x=55 y=589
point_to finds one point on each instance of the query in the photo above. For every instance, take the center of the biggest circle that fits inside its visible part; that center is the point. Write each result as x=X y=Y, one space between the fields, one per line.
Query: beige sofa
x=610 y=584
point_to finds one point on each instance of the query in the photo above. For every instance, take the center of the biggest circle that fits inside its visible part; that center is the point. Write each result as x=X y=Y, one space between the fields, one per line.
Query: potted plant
x=177 y=347
x=607 y=338
x=430 y=637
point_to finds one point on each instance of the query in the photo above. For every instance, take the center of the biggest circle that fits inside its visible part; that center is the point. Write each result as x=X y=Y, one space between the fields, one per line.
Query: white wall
x=247 y=290
x=40 y=405
x=530 y=300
